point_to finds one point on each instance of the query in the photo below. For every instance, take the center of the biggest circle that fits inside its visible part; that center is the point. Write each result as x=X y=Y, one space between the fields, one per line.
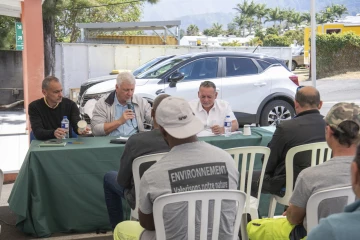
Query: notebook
x=53 y=143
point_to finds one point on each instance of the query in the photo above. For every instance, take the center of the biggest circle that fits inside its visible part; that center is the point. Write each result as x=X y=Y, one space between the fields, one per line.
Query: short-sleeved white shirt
x=216 y=115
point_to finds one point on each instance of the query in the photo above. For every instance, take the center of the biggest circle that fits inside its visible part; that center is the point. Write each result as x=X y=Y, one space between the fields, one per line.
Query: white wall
x=77 y=62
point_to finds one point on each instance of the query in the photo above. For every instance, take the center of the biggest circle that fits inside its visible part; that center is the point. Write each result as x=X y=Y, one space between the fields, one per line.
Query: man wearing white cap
x=171 y=174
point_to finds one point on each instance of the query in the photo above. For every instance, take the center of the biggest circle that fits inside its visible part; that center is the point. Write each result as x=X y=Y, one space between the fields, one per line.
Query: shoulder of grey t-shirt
x=321 y=177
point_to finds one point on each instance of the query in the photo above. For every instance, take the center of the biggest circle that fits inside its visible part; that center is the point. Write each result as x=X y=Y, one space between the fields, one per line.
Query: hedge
x=337 y=53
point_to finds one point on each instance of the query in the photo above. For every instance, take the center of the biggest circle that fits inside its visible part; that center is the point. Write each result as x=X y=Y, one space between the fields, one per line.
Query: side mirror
x=301 y=53
x=174 y=78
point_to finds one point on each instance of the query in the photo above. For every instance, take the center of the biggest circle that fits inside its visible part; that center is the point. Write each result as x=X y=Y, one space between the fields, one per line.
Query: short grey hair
x=46 y=82
x=125 y=77
x=208 y=84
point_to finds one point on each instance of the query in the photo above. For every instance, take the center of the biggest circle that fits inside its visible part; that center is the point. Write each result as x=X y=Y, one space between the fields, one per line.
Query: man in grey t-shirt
x=179 y=127
x=342 y=135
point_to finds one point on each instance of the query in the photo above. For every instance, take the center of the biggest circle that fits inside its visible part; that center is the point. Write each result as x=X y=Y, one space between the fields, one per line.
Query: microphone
x=129 y=104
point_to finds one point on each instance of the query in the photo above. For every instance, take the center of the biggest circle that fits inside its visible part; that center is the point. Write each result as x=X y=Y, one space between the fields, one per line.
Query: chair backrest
x=320 y=147
x=191 y=198
x=245 y=152
x=136 y=174
x=315 y=199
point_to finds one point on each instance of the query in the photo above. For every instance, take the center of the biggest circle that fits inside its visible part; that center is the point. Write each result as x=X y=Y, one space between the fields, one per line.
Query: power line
x=105 y=5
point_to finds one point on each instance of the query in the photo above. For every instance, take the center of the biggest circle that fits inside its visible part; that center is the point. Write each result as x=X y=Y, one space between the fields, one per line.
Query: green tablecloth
x=59 y=189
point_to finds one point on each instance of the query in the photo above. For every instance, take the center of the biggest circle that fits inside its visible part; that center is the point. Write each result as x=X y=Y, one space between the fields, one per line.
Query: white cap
x=177 y=118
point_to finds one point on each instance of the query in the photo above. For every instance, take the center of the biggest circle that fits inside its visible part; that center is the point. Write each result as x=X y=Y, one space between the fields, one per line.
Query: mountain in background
x=204 y=13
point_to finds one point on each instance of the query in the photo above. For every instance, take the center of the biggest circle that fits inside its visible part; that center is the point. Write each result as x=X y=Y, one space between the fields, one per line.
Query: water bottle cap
x=228 y=116
x=65 y=117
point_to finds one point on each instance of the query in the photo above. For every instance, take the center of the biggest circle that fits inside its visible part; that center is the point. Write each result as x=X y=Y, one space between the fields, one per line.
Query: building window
x=330 y=31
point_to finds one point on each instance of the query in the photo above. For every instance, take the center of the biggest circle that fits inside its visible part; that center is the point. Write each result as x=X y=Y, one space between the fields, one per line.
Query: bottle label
x=227 y=124
x=65 y=125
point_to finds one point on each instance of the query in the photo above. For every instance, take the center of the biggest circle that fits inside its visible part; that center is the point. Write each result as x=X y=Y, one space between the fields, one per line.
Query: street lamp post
x=313 y=43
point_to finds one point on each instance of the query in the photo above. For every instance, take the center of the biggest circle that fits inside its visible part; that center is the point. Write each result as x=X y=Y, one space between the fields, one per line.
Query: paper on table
x=125 y=138
x=208 y=133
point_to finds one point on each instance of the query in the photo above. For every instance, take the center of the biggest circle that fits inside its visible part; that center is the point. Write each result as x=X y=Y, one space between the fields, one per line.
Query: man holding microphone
x=112 y=116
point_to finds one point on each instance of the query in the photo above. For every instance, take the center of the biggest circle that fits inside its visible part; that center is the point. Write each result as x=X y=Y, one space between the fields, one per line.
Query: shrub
x=337 y=53
x=276 y=41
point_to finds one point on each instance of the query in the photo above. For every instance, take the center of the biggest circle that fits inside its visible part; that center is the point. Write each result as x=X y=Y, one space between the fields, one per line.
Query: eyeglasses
x=299 y=87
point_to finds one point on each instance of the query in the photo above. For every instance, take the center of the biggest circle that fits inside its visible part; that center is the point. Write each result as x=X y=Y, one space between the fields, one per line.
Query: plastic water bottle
x=65 y=125
x=227 y=126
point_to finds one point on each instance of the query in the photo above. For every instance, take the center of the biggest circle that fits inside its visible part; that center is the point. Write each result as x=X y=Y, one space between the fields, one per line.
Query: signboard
x=19 y=36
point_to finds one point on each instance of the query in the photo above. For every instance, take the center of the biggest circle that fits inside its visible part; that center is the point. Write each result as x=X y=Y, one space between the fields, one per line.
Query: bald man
x=308 y=126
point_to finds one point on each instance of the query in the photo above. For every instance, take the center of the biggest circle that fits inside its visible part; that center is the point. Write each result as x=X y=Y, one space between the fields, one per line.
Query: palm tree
x=216 y=29
x=249 y=22
x=241 y=22
x=282 y=17
x=231 y=29
x=192 y=30
x=297 y=19
x=338 y=10
x=288 y=17
x=306 y=17
x=260 y=13
x=273 y=15
x=320 y=18
x=246 y=11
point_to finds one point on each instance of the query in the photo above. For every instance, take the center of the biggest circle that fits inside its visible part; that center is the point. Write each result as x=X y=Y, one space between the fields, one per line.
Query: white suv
x=260 y=89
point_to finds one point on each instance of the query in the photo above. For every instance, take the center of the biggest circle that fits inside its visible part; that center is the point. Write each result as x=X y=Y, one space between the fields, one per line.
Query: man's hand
x=84 y=132
x=216 y=129
x=128 y=114
x=60 y=133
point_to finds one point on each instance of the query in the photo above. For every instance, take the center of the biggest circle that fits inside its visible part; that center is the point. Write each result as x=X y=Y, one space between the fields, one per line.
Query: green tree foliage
x=192 y=30
x=214 y=31
x=231 y=29
x=231 y=44
x=60 y=16
x=297 y=35
x=81 y=11
x=272 y=31
x=337 y=53
x=7 y=32
x=272 y=40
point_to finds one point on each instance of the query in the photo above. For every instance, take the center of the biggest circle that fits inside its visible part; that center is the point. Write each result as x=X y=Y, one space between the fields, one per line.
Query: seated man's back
x=188 y=167
x=307 y=127
x=333 y=173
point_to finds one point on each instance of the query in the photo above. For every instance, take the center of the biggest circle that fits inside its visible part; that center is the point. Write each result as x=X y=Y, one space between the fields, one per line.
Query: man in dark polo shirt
x=47 y=113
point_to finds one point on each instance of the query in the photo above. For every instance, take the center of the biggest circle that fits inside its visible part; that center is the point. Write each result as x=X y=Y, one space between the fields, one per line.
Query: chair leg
x=272 y=207
x=244 y=222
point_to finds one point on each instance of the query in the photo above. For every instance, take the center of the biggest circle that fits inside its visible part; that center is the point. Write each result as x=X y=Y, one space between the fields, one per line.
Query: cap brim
x=188 y=130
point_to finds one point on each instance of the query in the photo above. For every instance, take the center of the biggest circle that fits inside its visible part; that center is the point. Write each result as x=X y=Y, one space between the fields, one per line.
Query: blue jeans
x=113 y=194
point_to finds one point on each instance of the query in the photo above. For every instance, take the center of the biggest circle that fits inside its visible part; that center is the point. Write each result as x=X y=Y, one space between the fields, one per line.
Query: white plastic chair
x=1 y=184
x=136 y=174
x=289 y=168
x=315 y=199
x=204 y=196
x=252 y=203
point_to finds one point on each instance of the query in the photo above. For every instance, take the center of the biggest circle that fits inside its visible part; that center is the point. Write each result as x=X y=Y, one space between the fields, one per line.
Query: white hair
x=125 y=77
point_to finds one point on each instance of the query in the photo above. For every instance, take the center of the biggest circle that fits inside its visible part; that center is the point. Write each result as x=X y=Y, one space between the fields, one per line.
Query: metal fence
x=77 y=62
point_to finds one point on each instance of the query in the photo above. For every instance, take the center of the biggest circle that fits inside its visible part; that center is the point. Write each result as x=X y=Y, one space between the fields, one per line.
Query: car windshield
x=147 y=65
x=161 y=68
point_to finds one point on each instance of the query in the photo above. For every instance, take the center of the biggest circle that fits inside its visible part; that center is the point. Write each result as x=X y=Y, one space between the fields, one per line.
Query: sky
x=172 y=9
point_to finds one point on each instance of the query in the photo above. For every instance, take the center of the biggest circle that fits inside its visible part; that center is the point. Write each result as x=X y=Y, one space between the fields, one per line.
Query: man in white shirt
x=211 y=111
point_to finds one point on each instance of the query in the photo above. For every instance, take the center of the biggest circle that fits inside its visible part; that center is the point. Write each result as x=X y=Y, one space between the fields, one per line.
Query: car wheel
x=275 y=112
x=293 y=65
